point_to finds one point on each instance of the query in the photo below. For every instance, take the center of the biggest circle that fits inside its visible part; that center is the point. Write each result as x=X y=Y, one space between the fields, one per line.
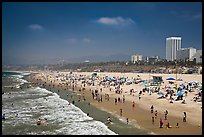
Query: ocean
x=23 y=105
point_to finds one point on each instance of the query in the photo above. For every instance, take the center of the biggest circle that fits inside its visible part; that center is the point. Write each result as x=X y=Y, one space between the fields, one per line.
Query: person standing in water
x=121 y=112
x=108 y=120
x=127 y=120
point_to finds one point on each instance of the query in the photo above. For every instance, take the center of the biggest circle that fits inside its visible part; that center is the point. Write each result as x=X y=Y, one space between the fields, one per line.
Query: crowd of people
x=115 y=85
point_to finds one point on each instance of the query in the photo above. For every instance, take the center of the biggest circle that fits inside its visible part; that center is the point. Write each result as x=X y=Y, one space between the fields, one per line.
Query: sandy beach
x=139 y=115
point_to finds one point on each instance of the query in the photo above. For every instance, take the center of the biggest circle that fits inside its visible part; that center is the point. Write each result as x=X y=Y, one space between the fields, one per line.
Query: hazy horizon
x=47 y=32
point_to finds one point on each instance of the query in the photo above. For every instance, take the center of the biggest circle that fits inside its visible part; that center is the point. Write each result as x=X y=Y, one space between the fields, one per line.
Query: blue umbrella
x=179 y=94
x=183 y=90
x=170 y=79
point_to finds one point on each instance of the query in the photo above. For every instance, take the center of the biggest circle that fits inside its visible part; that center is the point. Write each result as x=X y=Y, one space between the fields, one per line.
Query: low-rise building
x=197 y=56
x=185 y=53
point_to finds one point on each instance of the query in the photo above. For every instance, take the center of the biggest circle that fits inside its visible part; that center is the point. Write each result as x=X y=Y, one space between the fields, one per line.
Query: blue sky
x=34 y=32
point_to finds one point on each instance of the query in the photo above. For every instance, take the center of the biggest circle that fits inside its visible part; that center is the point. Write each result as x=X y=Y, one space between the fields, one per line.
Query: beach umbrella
x=184 y=90
x=179 y=94
x=170 y=79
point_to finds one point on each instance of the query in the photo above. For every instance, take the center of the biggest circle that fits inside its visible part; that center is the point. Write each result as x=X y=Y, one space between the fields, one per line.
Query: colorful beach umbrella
x=170 y=79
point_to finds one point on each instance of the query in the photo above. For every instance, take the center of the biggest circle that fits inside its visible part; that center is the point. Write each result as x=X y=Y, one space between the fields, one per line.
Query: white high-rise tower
x=172 y=45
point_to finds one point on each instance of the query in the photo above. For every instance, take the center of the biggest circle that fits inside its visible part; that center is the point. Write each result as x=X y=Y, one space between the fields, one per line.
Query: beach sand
x=140 y=115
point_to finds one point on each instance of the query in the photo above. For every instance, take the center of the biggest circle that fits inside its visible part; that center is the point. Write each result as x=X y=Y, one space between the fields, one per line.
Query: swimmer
x=45 y=122
x=108 y=120
x=38 y=121
x=3 y=117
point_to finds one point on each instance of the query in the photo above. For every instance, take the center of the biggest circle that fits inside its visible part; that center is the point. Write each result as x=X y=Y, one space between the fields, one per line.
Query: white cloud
x=35 y=27
x=86 y=40
x=79 y=40
x=72 y=40
x=115 y=21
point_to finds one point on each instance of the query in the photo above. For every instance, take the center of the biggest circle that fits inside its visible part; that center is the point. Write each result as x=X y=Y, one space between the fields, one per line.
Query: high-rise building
x=172 y=45
x=185 y=53
x=135 y=58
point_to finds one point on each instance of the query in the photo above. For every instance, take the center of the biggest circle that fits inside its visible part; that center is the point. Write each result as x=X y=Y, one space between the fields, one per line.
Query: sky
x=46 y=32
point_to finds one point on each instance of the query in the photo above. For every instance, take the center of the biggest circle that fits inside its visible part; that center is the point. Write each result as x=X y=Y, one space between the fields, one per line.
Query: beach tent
x=157 y=79
x=170 y=79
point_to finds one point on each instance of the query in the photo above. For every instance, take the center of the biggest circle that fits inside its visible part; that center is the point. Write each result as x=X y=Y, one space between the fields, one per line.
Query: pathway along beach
x=139 y=115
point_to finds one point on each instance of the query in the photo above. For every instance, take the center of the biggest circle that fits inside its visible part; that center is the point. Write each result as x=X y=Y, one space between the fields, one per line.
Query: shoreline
x=142 y=117
x=95 y=112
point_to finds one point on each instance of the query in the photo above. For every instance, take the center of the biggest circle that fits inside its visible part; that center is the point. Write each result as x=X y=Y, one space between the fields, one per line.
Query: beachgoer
x=177 y=125
x=168 y=125
x=98 y=98
x=152 y=109
x=123 y=98
x=152 y=119
x=139 y=96
x=73 y=102
x=115 y=101
x=108 y=120
x=3 y=117
x=118 y=99
x=38 y=121
x=127 y=120
x=184 y=116
x=165 y=114
x=155 y=114
x=183 y=102
x=45 y=122
x=101 y=98
x=161 y=122
x=133 y=104
x=121 y=112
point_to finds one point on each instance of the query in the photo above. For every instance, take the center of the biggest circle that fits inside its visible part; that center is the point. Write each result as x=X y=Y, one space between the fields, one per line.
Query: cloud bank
x=35 y=27
x=115 y=21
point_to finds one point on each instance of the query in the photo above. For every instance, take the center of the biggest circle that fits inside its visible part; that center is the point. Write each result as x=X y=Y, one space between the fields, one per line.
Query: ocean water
x=23 y=105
